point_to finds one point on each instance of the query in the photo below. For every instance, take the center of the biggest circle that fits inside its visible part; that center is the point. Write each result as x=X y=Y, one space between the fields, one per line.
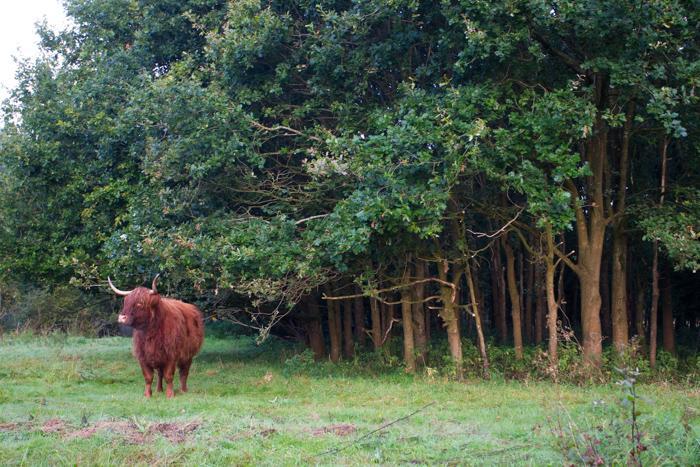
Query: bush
x=622 y=434
x=63 y=308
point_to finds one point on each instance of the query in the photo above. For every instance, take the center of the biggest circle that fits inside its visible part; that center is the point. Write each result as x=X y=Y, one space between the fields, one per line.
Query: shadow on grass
x=244 y=349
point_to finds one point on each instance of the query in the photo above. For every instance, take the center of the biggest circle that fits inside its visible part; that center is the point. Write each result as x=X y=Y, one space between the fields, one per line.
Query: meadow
x=79 y=401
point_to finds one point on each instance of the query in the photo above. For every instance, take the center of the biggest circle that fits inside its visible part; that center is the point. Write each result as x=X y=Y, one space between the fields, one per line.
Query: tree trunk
x=620 y=323
x=450 y=316
x=639 y=311
x=529 y=295
x=667 y=313
x=359 y=310
x=348 y=342
x=620 y=334
x=605 y=313
x=551 y=301
x=523 y=300
x=419 y=331
x=514 y=298
x=377 y=335
x=561 y=291
x=499 y=294
x=590 y=230
x=539 y=304
x=427 y=314
x=590 y=318
x=654 y=318
x=333 y=326
x=409 y=348
x=654 y=315
x=314 y=329
x=477 y=320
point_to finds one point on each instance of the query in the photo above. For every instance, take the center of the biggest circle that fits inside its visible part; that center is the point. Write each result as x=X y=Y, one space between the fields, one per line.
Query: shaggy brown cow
x=167 y=333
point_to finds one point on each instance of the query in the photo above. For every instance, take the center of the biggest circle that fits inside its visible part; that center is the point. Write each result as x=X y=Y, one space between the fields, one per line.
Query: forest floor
x=75 y=400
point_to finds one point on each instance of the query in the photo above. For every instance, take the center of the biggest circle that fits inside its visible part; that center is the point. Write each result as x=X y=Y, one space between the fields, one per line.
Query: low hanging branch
x=306 y=219
x=290 y=131
x=374 y=293
x=499 y=231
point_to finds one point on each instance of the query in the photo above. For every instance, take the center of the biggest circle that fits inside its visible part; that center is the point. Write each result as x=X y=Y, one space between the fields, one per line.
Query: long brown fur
x=167 y=333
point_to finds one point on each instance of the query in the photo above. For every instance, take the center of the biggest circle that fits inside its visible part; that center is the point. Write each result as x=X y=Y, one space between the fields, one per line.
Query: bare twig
x=367 y=435
x=318 y=216
x=499 y=231
x=290 y=131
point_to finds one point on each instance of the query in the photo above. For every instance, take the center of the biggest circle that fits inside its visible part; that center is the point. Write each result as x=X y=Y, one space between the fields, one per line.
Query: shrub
x=64 y=308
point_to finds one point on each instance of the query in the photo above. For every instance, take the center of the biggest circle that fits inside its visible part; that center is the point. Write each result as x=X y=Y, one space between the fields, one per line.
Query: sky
x=18 y=36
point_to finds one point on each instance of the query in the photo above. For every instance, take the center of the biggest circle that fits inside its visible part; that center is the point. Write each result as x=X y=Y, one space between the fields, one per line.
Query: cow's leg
x=159 y=386
x=184 y=373
x=168 y=374
x=148 y=378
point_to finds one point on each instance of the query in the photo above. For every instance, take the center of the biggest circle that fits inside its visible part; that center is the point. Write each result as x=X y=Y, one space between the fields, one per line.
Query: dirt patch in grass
x=340 y=429
x=127 y=430
x=173 y=432
x=53 y=425
x=10 y=426
x=132 y=433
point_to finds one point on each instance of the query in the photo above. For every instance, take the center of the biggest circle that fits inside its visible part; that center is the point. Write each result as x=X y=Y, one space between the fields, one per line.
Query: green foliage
x=252 y=151
x=64 y=309
x=624 y=433
x=676 y=225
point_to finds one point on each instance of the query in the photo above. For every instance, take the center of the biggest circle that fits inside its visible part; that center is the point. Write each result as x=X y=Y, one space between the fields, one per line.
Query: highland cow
x=167 y=333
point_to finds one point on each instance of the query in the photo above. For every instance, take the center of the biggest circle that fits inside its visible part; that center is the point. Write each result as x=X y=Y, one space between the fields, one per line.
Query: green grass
x=74 y=400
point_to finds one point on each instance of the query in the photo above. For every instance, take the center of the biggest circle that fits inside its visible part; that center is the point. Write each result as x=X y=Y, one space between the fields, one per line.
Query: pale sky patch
x=18 y=36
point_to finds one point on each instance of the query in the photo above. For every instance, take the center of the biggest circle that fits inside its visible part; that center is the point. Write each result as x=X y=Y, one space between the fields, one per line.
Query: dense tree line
x=355 y=171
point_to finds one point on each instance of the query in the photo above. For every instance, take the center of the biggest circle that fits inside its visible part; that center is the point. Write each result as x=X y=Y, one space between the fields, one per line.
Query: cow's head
x=140 y=304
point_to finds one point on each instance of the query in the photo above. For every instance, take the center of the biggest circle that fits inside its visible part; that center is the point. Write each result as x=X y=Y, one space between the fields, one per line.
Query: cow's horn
x=116 y=290
x=154 y=290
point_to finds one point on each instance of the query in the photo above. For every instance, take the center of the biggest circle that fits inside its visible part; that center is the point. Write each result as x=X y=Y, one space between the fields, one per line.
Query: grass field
x=74 y=400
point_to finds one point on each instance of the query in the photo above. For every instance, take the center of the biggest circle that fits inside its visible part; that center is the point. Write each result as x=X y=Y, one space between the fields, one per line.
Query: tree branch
x=374 y=293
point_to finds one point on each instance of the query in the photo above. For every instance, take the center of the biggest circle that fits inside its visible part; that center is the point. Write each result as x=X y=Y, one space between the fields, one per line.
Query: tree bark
x=551 y=301
x=377 y=335
x=523 y=300
x=333 y=326
x=654 y=313
x=477 y=320
x=590 y=230
x=499 y=294
x=359 y=309
x=314 y=329
x=419 y=329
x=450 y=316
x=409 y=348
x=348 y=341
x=667 y=313
x=539 y=303
x=529 y=295
x=654 y=318
x=561 y=291
x=639 y=311
x=605 y=312
x=514 y=298
x=620 y=327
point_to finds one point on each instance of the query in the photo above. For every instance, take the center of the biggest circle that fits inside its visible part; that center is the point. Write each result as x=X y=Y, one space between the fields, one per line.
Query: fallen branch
x=367 y=435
